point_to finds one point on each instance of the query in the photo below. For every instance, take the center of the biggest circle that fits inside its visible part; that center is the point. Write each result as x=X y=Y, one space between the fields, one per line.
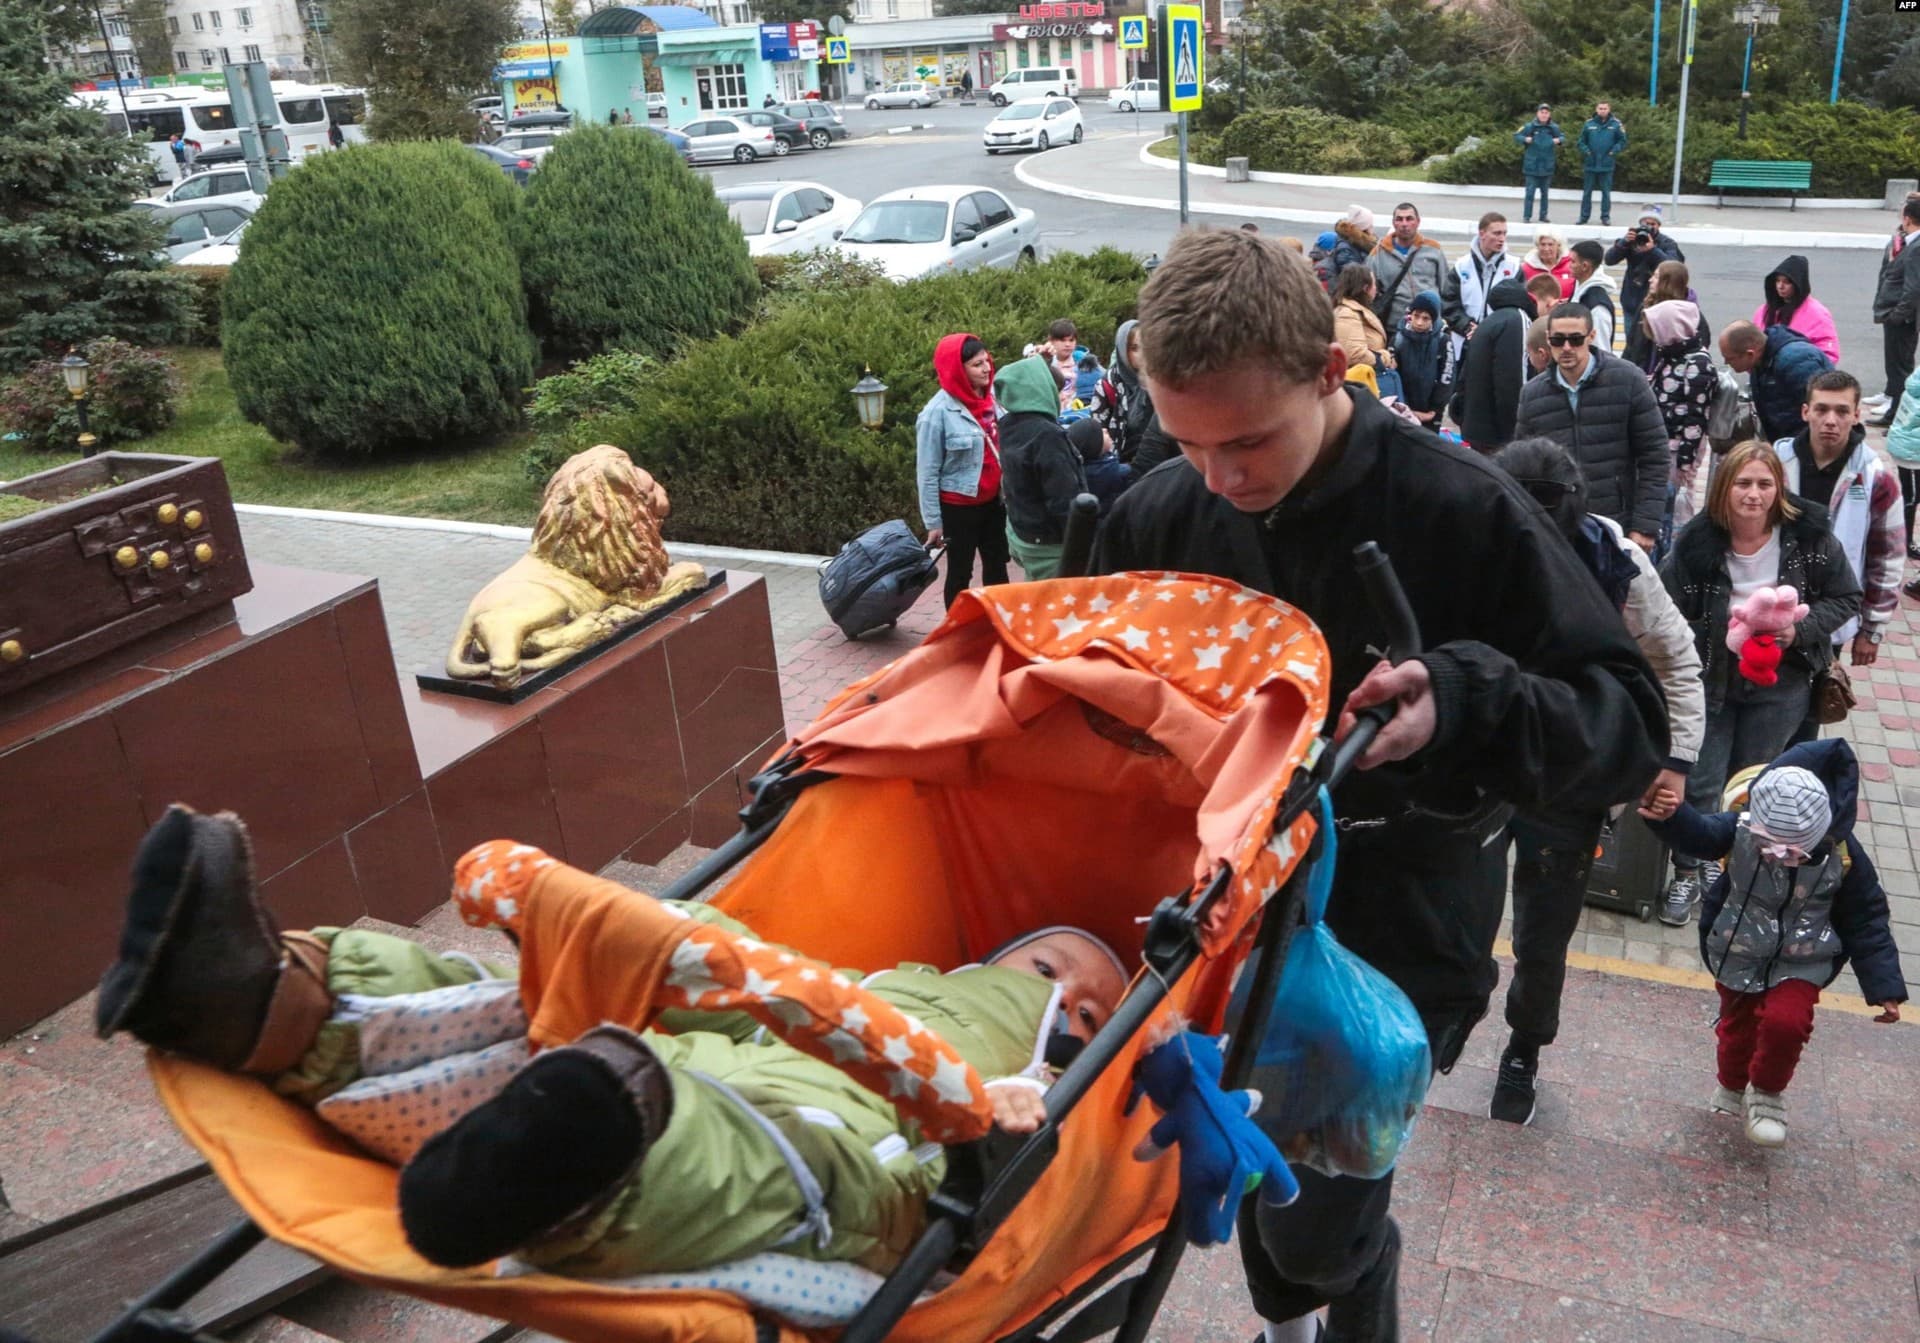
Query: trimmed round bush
x=756 y=437
x=130 y=393
x=1301 y=140
x=625 y=247
x=376 y=304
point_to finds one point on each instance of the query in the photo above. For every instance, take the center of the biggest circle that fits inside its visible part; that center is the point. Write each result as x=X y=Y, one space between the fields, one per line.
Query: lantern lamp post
x=1754 y=14
x=870 y=399
x=74 y=370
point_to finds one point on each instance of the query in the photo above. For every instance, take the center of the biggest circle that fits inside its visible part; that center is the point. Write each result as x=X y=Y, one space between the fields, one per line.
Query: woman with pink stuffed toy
x=1764 y=584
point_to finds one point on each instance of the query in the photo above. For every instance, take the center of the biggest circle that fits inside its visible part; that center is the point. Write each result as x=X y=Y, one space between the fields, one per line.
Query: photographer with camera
x=1642 y=247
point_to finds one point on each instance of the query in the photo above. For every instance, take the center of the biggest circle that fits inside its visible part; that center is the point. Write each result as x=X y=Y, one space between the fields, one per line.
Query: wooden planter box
x=129 y=543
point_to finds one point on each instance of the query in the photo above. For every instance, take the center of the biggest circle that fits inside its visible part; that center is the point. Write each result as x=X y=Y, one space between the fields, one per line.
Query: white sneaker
x=1728 y=1102
x=1766 y=1117
x=1878 y=401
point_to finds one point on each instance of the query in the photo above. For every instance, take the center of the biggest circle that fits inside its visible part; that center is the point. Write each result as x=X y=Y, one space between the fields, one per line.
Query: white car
x=1142 y=95
x=932 y=230
x=196 y=224
x=223 y=253
x=656 y=104
x=531 y=144
x=729 y=138
x=779 y=218
x=912 y=93
x=232 y=184
x=1034 y=123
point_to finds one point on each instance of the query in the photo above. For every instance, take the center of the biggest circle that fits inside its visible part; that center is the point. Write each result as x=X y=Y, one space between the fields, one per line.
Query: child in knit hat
x=1797 y=899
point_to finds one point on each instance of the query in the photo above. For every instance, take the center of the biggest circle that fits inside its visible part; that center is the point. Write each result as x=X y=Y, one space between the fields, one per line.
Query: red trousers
x=1762 y=1034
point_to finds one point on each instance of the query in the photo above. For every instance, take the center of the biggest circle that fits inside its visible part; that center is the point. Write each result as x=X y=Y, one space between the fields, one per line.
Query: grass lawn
x=484 y=484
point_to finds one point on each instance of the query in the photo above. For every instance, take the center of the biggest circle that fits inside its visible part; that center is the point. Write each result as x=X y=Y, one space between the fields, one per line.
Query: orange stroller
x=1138 y=755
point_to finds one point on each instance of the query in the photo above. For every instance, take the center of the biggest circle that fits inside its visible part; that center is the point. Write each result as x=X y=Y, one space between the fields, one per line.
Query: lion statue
x=596 y=563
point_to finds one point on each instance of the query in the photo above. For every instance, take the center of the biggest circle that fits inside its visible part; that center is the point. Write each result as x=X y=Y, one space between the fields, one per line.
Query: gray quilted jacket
x=1619 y=439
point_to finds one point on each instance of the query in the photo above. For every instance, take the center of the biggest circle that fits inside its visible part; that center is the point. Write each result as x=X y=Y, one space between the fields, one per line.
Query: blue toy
x=1223 y=1153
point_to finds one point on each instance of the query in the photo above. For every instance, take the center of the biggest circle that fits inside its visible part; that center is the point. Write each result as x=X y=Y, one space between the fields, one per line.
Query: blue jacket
x=1108 y=477
x=1601 y=143
x=1779 y=381
x=1859 y=912
x=1540 y=141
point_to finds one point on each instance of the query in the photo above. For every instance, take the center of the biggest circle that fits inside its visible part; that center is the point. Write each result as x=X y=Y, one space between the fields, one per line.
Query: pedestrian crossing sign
x=837 y=51
x=1182 y=56
x=1133 y=32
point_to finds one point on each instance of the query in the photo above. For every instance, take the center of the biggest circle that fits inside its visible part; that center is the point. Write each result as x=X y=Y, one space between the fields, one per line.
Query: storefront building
x=1083 y=34
x=609 y=65
x=937 y=51
x=729 y=70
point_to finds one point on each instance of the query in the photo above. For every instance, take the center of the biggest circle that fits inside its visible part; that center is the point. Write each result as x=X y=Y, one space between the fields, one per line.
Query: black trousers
x=1910 y=496
x=974 y=529
x=1898 y=340
x=1553 y=857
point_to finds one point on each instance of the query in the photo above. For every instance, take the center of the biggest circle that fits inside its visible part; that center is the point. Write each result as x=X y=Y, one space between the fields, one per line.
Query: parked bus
x=154 y=116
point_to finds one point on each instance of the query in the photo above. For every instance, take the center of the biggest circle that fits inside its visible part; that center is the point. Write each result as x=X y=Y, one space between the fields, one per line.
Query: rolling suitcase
x=1630 y=869
x=875 y=578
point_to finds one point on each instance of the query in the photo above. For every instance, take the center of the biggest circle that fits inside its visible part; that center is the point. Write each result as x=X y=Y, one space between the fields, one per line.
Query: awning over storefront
x=704 y=55
x=627 y=20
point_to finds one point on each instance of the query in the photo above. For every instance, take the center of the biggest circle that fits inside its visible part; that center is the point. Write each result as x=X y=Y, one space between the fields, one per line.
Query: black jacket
x=1811 y=560
x=1041 y=474
x=1896 y=296
x=1619 y=438
x=1155 y=447
x=1641 y=264
x=1486 y=391
x=1542 y=698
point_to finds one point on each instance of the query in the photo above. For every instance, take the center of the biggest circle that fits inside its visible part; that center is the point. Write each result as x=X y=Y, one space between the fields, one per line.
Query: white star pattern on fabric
x=1069 y=601
x=1226 y=692
x=896 y=1050
x=1213 y=631
x=1099 y=604
x=1163 y=596
x=1306 y=671
x=519 y=849
x=1208 y=658
x=794 y=1014
x=1068 y=626
x=1202 y=596
x=1006 y=616
x=903 y=1083
x=507 y=907
x=1241 y=630
x=855 y=1018
x=1282 y=846
x=1134 y=638
x=950 y=1080
x=688 y=969
x=808 y=974
x=914 y=1025
x=478 y=886
x=846 y=1048
x=758 y=984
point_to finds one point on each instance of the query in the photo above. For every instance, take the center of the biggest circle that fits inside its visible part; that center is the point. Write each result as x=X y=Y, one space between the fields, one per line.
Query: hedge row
x=1301 y=140
x=755 y=436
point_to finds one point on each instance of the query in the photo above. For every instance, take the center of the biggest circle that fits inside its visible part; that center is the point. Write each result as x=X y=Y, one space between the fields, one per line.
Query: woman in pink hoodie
x=1790 y=303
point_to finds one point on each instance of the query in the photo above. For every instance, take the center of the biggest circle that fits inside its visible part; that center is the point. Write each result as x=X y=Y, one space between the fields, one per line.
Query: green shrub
x=1853 y=149
x=755 y=436
x=1301 y=140
x=606 y=382
x=377 y=304
x=130 y=394
x=203 y=313
x=624 y=246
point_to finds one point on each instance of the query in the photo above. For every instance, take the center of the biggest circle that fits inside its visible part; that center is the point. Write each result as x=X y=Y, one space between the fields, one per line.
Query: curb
x=917 y=126
x=499 y=532
x=1466 y=228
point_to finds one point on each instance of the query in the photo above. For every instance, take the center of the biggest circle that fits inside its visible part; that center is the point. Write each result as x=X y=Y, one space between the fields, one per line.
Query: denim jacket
x=950 y=451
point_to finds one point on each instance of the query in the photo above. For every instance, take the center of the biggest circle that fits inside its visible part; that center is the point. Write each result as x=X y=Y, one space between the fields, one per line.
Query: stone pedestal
x=1237 y=170
x=1898 y=189
x=360 y=791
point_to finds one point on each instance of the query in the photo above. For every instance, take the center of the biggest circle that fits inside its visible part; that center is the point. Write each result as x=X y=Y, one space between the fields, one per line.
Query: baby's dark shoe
x=549 y=1149
x=203 y=970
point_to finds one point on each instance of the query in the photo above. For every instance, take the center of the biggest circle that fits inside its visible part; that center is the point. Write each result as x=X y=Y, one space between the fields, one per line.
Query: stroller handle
x=1076 y=550
x=1389 y=602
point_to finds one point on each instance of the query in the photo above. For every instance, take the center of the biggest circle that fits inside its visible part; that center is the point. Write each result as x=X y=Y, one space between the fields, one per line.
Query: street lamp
x=870 y=399
x=74 y=370
x=1754 y=13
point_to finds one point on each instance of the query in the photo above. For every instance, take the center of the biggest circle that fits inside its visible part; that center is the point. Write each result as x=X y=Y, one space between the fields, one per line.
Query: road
x=1728 y=278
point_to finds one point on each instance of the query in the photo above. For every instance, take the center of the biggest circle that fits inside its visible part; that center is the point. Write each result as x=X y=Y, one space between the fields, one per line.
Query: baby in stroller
x=701 y=1139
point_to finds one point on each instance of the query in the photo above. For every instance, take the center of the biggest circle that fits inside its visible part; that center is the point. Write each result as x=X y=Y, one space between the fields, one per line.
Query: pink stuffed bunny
x=1751 y=628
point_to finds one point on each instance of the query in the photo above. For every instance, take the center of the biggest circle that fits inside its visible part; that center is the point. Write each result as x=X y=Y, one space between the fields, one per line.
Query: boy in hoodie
x=1424 y=356
x=617 y=1151
x=1787 y=300
x=1041 y=469
x=1593 y=290
x=1486 y=397
x=1797 y=900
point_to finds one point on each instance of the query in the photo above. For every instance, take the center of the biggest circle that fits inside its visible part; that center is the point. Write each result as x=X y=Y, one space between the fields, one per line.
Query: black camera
x=1641 y=236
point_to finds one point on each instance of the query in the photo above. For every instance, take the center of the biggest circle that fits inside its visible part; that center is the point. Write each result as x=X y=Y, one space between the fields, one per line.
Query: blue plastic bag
x=1344 y=1063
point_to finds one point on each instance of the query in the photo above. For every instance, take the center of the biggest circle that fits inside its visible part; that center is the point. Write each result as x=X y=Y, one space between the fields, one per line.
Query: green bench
x=1761 y=175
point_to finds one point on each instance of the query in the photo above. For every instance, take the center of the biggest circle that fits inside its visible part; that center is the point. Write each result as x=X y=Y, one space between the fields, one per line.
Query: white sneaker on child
x=1766 y=1117
x=1728 y=1102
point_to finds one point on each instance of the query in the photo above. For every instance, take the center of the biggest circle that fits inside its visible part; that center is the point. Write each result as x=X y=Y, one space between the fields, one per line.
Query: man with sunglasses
x=1601 y=409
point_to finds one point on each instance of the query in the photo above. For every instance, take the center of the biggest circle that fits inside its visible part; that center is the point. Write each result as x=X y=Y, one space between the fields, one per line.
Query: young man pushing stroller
x=698 y=1139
